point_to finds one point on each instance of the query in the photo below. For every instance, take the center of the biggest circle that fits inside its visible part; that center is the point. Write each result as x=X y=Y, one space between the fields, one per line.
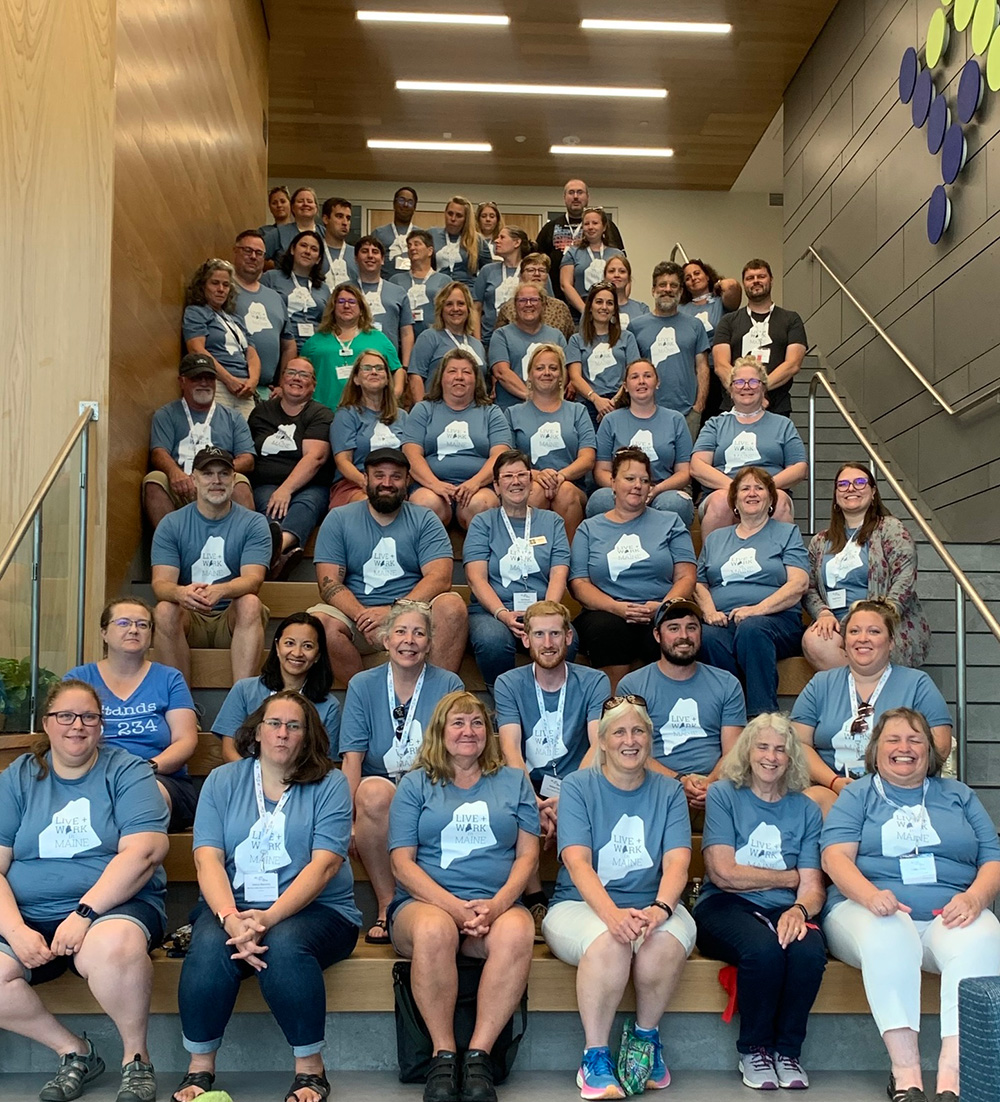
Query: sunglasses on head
x=627 y=698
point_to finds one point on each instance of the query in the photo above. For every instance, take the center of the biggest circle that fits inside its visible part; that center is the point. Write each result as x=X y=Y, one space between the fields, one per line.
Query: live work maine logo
x=945 y=134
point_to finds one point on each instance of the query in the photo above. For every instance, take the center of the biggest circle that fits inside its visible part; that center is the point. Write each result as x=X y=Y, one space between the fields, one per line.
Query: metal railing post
x=36 y=616
x=81 y=590
x=812 y=460
x=961 y=687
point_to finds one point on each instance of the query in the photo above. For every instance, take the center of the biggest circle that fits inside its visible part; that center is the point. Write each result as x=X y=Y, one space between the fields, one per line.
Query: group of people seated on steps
x=577 y=469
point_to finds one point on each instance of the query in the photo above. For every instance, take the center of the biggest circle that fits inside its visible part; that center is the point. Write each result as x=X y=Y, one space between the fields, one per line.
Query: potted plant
x=15 y=687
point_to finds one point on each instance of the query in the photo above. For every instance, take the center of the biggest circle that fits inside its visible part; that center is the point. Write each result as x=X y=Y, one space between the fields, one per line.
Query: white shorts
x=572 y=925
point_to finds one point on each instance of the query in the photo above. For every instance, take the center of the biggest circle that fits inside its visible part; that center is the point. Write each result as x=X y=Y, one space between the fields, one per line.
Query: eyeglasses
x=859 y=483
x=296 y=374
x=628 y=698
x=125 y=623
x=347 y=302
x=401 y=202
x=66 y=719
x=748 y=384
x=528 y=301
x=860 y=725
x=250 y=252
x=399 y=715
x=536 y=269
x=514 y=476
x=293 y=727
x=368 y=369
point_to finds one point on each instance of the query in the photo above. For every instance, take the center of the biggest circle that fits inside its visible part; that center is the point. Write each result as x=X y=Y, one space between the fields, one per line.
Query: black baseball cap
x=387 y=455
x=213 y=455
x=675 y=609
x=197 y=363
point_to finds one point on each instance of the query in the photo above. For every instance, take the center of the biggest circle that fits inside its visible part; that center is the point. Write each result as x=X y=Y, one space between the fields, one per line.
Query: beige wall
x=724 y=228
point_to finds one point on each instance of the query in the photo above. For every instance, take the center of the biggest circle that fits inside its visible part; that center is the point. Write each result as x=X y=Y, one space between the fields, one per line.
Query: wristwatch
x=663 y=907
x=84 y=910
x=153 y=764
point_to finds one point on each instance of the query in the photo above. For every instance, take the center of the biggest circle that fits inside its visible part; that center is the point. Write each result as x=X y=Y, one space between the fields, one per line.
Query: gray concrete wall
x=857 y=180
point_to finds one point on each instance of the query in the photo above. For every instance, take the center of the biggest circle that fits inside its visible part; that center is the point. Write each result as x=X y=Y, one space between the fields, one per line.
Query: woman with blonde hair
x=453 y=327
x=458 y=249
x=463 y=840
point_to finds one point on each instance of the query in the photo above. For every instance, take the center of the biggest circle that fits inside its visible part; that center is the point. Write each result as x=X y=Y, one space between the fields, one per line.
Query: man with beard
x=547 y=715
x=697 y=710
x=556 y=236
x=263 y=310
x=676 y=346
x=371 y=553
x=773 y=335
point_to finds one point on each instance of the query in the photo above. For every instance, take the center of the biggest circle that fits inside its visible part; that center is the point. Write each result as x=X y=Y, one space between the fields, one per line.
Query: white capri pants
x=892 y=950
x=571 y=926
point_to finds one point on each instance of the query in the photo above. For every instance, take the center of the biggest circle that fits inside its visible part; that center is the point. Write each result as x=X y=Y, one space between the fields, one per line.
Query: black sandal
x=201 y=1079
x=318 y=1083
x=384 y=927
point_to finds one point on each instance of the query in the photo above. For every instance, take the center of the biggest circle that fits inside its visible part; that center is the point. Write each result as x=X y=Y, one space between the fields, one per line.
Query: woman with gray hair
x=763 y=887
x=625 y=847
x=212 y=327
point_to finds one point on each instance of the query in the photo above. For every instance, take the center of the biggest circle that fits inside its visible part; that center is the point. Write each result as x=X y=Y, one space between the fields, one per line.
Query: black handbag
x=413 y=1042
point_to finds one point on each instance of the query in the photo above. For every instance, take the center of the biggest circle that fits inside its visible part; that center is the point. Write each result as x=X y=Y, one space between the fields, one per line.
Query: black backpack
x=413 y=1042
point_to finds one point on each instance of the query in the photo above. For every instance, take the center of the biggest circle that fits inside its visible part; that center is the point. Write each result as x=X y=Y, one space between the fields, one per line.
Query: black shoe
x=477 y=1077
x=442 y=1078
x=276 y=541
x=906 y=1094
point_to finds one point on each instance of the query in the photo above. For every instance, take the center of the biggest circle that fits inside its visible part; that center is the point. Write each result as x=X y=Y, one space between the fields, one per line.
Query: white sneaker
x=791 y=1074
x=758 y=1070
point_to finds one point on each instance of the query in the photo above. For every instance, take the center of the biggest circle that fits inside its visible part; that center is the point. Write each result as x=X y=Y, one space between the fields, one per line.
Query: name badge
x=418 y=313
x=402 y=263
x=538 y=541
x=305 y=328
x=260 y=887
x=525 y=600
x=836 y=598
x=343 y=371
x=550 y=786
x=918 y=868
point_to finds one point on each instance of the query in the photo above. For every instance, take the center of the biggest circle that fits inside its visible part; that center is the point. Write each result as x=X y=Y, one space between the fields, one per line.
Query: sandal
x=904 y=1094
x=318 y=1083
x=381 y=924
x=203 y=1080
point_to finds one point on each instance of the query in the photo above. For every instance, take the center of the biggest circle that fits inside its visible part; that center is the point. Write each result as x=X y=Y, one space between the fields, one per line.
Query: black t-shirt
x=280 y=448
x=784 y=328
x=553 y=244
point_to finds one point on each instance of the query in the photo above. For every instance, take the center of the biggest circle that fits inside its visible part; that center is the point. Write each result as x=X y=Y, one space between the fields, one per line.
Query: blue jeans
x=306 y=509
x=495 y=647
x=670 y=501
x=775 y=987
x=751 y=649
x=298 y=950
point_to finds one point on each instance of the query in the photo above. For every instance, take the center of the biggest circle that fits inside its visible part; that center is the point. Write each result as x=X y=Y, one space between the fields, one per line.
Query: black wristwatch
x=663 y=907
x=84 y=910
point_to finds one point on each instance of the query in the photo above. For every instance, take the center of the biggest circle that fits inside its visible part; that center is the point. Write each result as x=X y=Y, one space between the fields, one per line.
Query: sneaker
x=791 y=1074
x=758 y=1070
x=635 y=1061
x=138 y=1082
x=659 y=1073
x=76 y=1070
x=477 y=1077
x=538 y=913
x=442 y=1078
x=596 y=1077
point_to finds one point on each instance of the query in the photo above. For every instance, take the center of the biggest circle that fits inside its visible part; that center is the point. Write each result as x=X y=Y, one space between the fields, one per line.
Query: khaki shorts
x=213 y=631
x=159 y=478
x=572 y=926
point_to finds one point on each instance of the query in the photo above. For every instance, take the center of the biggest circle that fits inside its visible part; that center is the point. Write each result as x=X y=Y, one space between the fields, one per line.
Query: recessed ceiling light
x=611 y=151
x=453 y=147
x=655 y=26
x=452 y=19
x=528 y=89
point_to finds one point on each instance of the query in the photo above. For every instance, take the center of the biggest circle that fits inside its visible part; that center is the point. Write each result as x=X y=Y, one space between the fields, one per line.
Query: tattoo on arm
x=330 y=587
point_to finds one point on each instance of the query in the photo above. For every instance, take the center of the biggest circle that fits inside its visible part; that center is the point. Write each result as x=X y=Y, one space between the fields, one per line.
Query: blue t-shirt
x=315 y=816
x=708 y=314
x=630 y=311
x=393 y=238
x=601 y=363
x=65 y=833
x=304 y=302
x=548 y=749
x=671 y=344
x=420 y=294
x=430 y=347
x=226 y=339
x=338 y=265
x=369 y=728
x=209 y=551
x=466 y=838
x=390 y=308
x=247 y=695
x=772 y=443
x=780 y=835
x=526 y=571
x=138 y=723
x=588 y=265
x=688 y=716
x=265 y=318
x=360 y=430
x=553 y=440
x=664 y=437
x=847 y=570
x=451 y=257
x=627 y=833
x=456 y=443
x=825 y=705
x=633 y=561
x=960 y=836
x=510 y=344
x=170 y=431
x=495 y=284
x=384 y=562
x=746 y=571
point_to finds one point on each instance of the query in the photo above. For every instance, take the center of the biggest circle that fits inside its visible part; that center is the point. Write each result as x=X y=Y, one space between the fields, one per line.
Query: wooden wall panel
x=189 y=172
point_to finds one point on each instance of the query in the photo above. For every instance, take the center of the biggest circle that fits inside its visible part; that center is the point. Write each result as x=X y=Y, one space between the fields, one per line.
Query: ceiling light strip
x=655 y=26
x=610 y=151
x=451 y=19
x=452 y=147
x=528 y=89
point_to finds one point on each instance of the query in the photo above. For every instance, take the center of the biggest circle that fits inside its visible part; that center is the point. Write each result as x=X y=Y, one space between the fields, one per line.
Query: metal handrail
x=963 y=587
x=992 y=390
x=678 y=248
x=32 y=519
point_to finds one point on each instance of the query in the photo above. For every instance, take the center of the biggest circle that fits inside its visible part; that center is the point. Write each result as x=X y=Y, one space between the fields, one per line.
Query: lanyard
x=234 y=330
x=190 y=420
x=760 y=328
x=924 y=817
x=599 y=256
x=542 y=713
x=399 y=239
x=411 y=707
x=266 y=820
x=852 y=695
x=329 y=254
x=522 y=558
